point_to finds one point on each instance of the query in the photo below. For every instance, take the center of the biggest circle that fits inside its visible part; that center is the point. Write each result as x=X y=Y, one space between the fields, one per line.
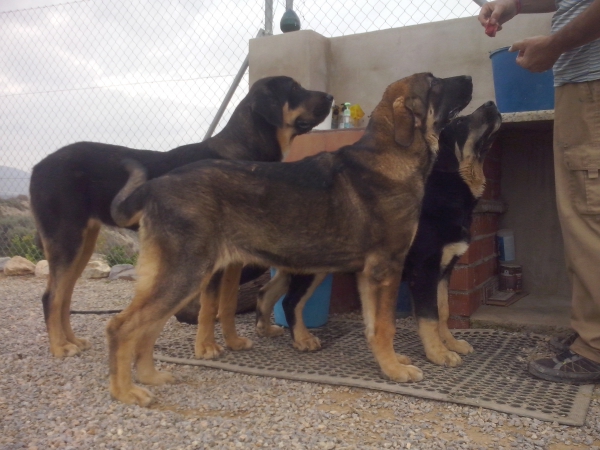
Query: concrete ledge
x=528 y=121
x=537 y=313
x=528 y=116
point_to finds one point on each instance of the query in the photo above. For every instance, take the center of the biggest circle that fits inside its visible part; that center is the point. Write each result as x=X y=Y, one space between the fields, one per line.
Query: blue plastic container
x=316 y=310
x=518 y=89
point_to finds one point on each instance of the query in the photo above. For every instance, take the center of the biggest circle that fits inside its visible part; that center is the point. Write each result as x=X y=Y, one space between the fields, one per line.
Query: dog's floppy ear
x=408 y=115
x=404 y=123
x=266 y=103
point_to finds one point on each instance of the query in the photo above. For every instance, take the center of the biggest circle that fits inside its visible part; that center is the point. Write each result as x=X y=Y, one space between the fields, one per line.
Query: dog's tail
x=126 y=208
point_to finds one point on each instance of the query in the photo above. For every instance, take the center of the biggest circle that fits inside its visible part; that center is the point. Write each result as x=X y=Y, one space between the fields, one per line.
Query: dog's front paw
x=402 y=372
x=444 y=358
x=133 y=396
x=65 y=350
x=308 y=343
x=208 y=350
x=403 y=359
x=459 y=346
x=238 y=343
x=155 y=378
x=269 y=330
x=82 y=344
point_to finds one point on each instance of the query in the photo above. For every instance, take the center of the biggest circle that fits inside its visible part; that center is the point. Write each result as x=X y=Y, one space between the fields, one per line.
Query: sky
x=148 y=73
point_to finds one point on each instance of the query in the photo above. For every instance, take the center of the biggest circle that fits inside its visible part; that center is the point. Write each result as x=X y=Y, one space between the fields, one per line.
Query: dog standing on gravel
x=71 y=189
x=353 y=210
x=452 y=191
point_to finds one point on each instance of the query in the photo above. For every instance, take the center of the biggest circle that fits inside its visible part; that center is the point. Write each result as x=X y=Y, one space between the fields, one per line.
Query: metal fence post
x=268 y=17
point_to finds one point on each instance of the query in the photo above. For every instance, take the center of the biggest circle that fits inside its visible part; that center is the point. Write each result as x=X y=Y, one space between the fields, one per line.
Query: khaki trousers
x=577 y=172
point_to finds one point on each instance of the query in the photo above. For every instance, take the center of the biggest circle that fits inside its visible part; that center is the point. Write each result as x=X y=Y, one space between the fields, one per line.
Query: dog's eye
x=303 y=125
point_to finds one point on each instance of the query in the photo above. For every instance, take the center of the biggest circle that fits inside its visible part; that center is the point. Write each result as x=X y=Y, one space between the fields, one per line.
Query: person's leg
x=577 y=178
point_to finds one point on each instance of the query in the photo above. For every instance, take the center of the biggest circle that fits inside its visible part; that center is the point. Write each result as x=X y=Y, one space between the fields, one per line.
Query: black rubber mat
x=494 y=376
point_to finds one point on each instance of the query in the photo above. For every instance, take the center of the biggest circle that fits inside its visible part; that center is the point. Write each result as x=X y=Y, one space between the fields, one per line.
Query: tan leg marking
x=379 y=302
x=123 y=333
x=121 y=349
x=267 y=297
x=435 y=350
x=63 y=342
x=127 y=329
x=206 y=346
x=304 y=340
x=460 y=346
x=133 y=332
x=146 y=373
x=59 y=346
x=228 y=296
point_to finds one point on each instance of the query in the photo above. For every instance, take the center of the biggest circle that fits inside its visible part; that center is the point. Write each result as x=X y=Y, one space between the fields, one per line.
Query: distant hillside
x=13 y=182
x=17 y=232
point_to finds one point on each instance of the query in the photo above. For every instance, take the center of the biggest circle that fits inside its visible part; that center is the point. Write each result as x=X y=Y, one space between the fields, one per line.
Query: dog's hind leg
x=457 y=345
x=89 y=243
x=206 y=346
x=300 y=290
x=122 y=332
x=146 y=372
x=378 y=288
x=228 y=295
x=160 y=291
x=64 y=272
x=267 y=297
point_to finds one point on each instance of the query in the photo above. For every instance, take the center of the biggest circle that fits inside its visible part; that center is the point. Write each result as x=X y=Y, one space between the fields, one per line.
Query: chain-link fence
x=144 y=74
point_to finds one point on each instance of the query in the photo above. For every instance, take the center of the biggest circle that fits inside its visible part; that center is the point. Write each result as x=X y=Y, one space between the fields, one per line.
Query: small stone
x=42 y=269
x=122 y=272
x=3 y=262
x=17 y=265
x=98 y=257
x=96 y=269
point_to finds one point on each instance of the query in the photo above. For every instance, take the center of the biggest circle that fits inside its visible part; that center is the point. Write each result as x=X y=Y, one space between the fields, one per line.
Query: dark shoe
x=563 y=343
x=566 y=367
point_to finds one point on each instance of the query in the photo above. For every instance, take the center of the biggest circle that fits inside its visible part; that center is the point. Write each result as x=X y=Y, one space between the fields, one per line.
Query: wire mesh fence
x=144 y=74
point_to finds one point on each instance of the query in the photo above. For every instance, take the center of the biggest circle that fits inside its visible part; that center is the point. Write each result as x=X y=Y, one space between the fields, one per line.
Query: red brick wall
x=475 y=275
x=322 y=141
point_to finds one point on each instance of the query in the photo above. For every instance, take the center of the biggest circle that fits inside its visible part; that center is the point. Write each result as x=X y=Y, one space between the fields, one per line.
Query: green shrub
x=120 y=255
x=25 y=246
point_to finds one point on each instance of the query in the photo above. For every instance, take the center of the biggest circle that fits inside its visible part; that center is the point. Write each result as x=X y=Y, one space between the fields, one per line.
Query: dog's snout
x=329 y=97
x=468 y=78
x=488 y=104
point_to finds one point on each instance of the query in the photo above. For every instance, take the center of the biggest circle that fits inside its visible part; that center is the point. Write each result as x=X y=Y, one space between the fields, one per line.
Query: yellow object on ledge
x=356 y=114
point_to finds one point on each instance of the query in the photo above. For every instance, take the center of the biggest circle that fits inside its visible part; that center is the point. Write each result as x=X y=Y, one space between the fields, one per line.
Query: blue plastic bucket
x=518 y=89
x=316 y=310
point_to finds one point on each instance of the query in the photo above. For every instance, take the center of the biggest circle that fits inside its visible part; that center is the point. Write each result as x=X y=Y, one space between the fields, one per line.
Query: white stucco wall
x=357 y=68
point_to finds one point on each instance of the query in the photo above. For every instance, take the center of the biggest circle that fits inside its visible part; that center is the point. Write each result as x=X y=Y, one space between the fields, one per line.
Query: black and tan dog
x=355 y=210
x=453 y=190
x=451 y=193
x=71 y=189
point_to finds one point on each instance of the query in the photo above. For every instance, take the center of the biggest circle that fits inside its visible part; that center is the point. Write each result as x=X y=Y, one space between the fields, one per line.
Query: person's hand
x=494 y=14
x=536 y=54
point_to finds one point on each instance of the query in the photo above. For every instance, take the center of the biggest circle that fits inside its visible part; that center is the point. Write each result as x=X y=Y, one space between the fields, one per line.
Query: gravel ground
x=50 y=403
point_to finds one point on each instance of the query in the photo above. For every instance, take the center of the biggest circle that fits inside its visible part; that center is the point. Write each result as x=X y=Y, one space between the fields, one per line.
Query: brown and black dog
x=353 y=210
x=72 y=189
x=451 y=193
